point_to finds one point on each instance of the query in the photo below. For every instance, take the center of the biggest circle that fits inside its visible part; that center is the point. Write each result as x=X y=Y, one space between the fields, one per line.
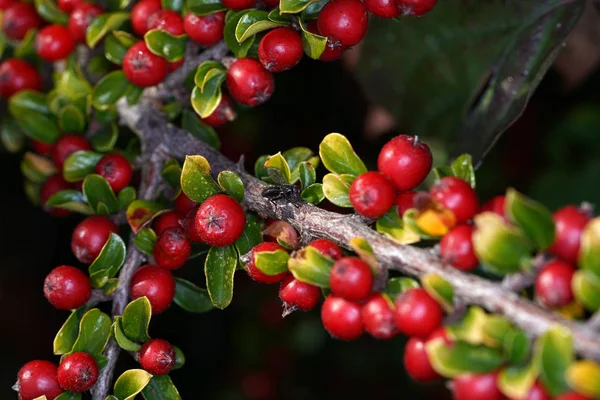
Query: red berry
x=570 y=222
x=18 y=19
x=383 y=8
x=406 y=161
x=53 y=185
x=206 y=30
x=537 y=392
x=405 y=201
x=67 y=145
x=249 y=83
x=457 y=196
x=17 y=75
x=184 y=204
x=142 y=68
x=54 y=43
x=417 y=313
x=220 y=220
x=116 y=169
x=333 y=50
x=140 y=14
x=298 y=294
x=416 y=361
x=476 y=387
x=553 y=284
x=495 y=205
x=4 y=4
x=327 y=248
x=67 y=288
x=170 y=219
x=189 y=225
x=351 y=278
x=378 y=317
x=416 y=8
x=456 y=248
x=224 y=113
x=572 y=396
x=372 y=194
x=172 y=249
x=238 y=4
x=41 y=147
x=256 y=273
x=68 y=6
x=90 y=236
x=156 y=283
x=271 y=3
x=38 y=378
x=166 y=20
x=78 y=372
x=344 y=21
x=341 y=318
x=280 y=49
x=172 y=66
x=157 y=356
x=81 y=17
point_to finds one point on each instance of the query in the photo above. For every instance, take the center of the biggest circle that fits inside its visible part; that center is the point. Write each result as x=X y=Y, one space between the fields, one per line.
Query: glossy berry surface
x=570 y=222
x=157 y=356
x=249 y=83
x=238 y=4
x=170 y=219
x=67 y=145
x=333 y=49
x=457 y=196
x=166 y=20
x=416 y=8
x=405 y=201
x=280 y=49
x=351 y=278
x=90 y=236
x=417 y=313
x=406 y=161
x=116 y=169
x=372 y=194
x=54 y=184
x=341 y=318
x=298 y=294
x=220 y=220
x=495 y=205
x=78 y=372
x=54 y=43
x=537 y=392
x=38 y=378
x=327 y=248
x=142 y=68
x=156 y=283
x=141 y=12
x=553 y=284
x=80 y=19
x=416 y=361
x=4 y=4
x=206 y=30
x=344 y=21
x=224 y=113
x=190 y=228
x=378 y=317
x=256 y=273
x=184 y=204
x=68 y=6
x=456 y=248
x=19 y=18
x=17 y=75
x=172 y=249
x=67 y=288
x=383 y=8
x=476 y=387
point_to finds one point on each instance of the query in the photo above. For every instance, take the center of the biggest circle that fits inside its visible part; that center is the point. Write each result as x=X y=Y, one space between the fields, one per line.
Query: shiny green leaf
x=310 y=266
x=161 y=388
x=130 y=383
x=313 y=194
x=294 y=6
x=109 y=90
x=204 y=7
x=165 y=45
x=339 y=157
x=253 y=22
x=191 y=123
x=102 y=25
x=191 y=297
x=336 y=189
x=461 y=357
x=314 y=45
x=94 y=332
x=49 y=11
x=196 y=179
x=534 y=219
x=72 y=200
x=238 y=49
x=67 y=334
x=586 y=289
x=145 y=241
x=80 y=164
x=109 y=261
x=272 y=262
x=122 y=340
x=232 y=184
x=554 y=353
x=219 y=269
x=71 y=119
x=136 y=319
x=250 y=237
x=99 y=194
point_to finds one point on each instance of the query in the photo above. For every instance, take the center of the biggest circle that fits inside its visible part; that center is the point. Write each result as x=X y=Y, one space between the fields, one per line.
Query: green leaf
x=272 y=262
x=440 y=289
x=339 y=157
x=313 y=10
x=165 y=45
x=32 y=191
x=313 y=194
x=160 y=388
x=171 y=173
x=145 y=241
x=250 y=237
x=471 y=328
x=253 y=22
x=516 y=381
x=72 y=200
x=38 y=126
x=111 y=285
x=219 y=269
x=191 y=298
x=133 y=94
x=126 y=196
x=141 y=212
x=71 y=119
x=105 y=138
x=136 y=319
x=179 y=358
x=534 y=219
x=462 y=167
x=175 y=5
x=114 y=50
x=584 y=377
x=48 y=10
x=232 y=184
x=67 y=334
x=462 y=357
x=517 y=346
x=109 y=90
x=122 y=340
x=310 y=266
x=80 y=164
x=275 y=16
x=306 y=174
x=130 y=383
x=231 y=21
x=191 y=123
x=13 y=138
x=196 y=179
x=586 y=289
x=73 y=84
x=336 y=189
x=206 y=102
x=314 y=45
x=392 y=225
x=37 y=168
x=297 y=156
x=94 y=332
x=399 y=285
x=260 y=171
x=102 y=25
x=278 y=169
x=68 y=396
x=589 y=252
x=28 y=100
x=125 y=38
x=26 y=47
x=554 y=353
x=294 y=6
x=204 y=7
x=99 y=194
x=109 y=261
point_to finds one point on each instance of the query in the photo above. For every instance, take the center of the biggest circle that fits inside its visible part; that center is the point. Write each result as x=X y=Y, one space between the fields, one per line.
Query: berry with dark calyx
x=344 y=21
x=256 y=273
x=570 y=222
x=537 y=392
x=80 y=19
x=351 y=278
x=457 y=196
x=141 y=12
x=383 y=8
x=280 y=49
x=378 y=317
x=116 y=169
x=416 y=361
x=38 y=378
x=249 y=83
x=333 y=49
x=224 y=113
x=142 y=68
x=67 y=288
x=157 y=356
x=156 y=283
x=220 y=220
x=372 y=194
x=184 y=204
x=327 y=248
x=78 y=372
x=90 y=236
x=406 y=161
x=17 y=75
x=495 y=205
x=299 y=295
x=572 y=396
x=553 y=284
x=415 y=8
x=238 y=4
x=166 y=20
x=54 y=184
x=417 y=313
x=68 y=6
x=67 y=145
x=476 y=387
x=189 y=225
x=41 y=147
x=170 y=219
x=172 y=249
x=54 y=43
x=341 y=318
x=206 y=30
x=405 y=201
x=18 y=19
x=456 y=248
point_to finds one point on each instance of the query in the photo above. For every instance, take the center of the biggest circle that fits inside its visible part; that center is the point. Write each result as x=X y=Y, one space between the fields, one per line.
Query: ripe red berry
x=54 y=43
x=156 y=283
x=456 y=248
x=78 y=372
x=572 y=396
x=553 y=284
x=495 y=205
x=327 y=248
x=142 y=68
x=170 y=219
x=17 y=75
x=416 y=361
x=378 y=317
x=68 y=6
x=190 y=228
x=81 y=17
x=416 y=8
x=41 y=147
x=184 y=204
x=141 y=12
x=172 y=249
x=341 y=318
x=38 y=378
x=67 y=288
x=157 y=356
x=238 y=4
x=256 y=273
x=333 y=49
x=90 y=236
x=54 y=184
x=224 y=113
x=298 y=294
x=570 y=222
x=220 y=220
x=19 y=18
x=383 y=8
x=280 y=49
x=351 y=278
x=4 y=4
x=166 y=20
x=417 y=313
x=67 y=145
x=271 y=3
x=372 y=194
x=537 y=392
x=457 y=196
x=206 y=30
x=344 y=21
x=116 y=169
x=249 y=83
x=476 y=387
x=405 y=201
x=406 y=161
